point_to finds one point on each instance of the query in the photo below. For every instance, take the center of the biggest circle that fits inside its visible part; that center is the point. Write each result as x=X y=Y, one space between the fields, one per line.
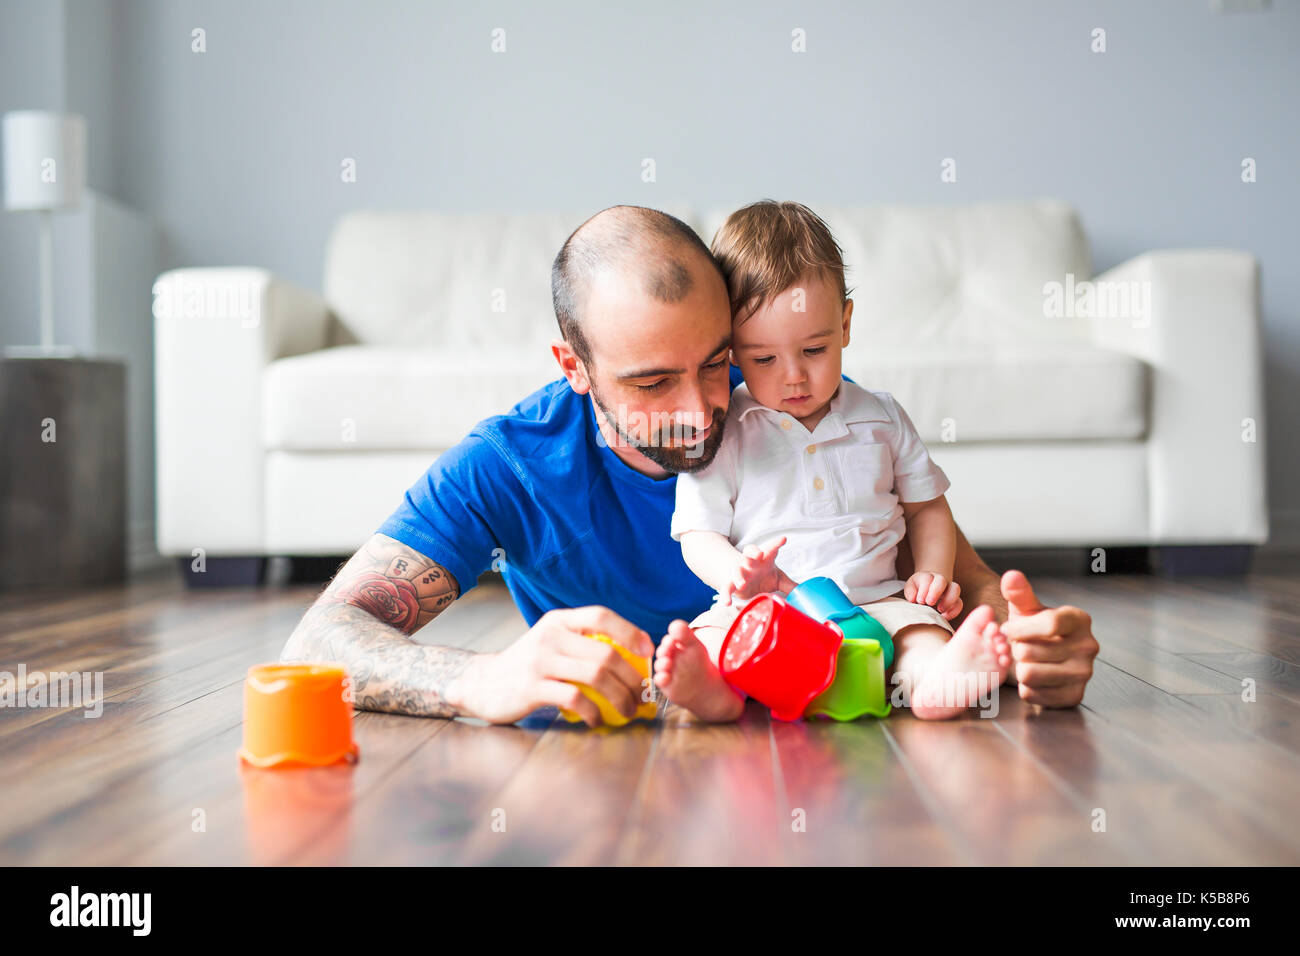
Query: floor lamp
x=44 y=171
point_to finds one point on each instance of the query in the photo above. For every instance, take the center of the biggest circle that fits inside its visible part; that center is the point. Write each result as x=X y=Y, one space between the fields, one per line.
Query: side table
x=62 y=472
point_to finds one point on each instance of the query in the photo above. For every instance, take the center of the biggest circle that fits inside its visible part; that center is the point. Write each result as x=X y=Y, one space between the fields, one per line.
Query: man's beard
x=676 y=459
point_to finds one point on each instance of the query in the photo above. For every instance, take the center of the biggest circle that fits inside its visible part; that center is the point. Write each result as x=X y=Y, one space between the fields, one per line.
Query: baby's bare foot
x=689 y=679
x=973 y=663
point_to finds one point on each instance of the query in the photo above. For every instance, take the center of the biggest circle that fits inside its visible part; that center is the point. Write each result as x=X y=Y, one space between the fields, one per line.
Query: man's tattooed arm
x=363 y=620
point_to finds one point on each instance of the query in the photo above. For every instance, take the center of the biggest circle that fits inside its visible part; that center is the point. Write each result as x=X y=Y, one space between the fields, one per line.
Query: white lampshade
x=45 y=160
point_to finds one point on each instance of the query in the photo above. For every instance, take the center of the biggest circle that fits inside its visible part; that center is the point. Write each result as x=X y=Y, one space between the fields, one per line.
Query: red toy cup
x=779 y=656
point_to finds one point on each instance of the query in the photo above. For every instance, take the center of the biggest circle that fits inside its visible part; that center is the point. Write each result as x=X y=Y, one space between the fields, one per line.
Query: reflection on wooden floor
x=1183 y=770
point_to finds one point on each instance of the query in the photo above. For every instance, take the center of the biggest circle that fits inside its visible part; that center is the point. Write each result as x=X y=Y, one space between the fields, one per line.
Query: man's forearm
x=389 y=671
x=363 y=620
x=980 y=584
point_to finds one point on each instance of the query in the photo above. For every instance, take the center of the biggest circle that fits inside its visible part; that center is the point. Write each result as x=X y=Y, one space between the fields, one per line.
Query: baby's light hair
x=768 y=246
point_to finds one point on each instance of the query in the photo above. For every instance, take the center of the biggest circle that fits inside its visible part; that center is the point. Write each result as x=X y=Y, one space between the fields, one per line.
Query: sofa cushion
x=1024 y=392
x=449 y=280
x=360 y=397
x=443 y=280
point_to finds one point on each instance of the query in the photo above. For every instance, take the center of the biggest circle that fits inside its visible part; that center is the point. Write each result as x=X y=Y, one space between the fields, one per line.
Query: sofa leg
x=1226 y=560
x=314 y=569
x=1117 y=560
x=224 y=572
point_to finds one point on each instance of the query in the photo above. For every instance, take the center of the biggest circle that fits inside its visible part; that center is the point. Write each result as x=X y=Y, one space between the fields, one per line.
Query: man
x=570 y=497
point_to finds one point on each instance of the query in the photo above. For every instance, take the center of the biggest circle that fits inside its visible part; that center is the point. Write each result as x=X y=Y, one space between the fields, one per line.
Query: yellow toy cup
x=296 y=715
x=646 y=710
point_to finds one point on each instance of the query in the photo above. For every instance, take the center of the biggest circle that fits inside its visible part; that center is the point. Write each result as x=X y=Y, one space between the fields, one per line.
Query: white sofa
x=290 y=423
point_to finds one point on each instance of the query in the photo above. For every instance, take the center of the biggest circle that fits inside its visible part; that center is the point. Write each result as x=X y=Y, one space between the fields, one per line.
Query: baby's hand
x=926 y=587
x=757 y=573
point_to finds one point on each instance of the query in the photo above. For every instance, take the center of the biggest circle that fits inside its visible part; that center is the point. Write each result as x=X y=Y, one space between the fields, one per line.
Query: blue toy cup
x=822 y=600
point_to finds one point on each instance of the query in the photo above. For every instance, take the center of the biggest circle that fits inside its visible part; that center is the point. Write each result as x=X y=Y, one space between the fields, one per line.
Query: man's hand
x=1053 y=647
x=757 y=573
x=536 y=670
x=927 y=587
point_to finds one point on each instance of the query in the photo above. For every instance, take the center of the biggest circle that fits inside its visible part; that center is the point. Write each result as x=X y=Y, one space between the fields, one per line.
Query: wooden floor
x=1164 y=748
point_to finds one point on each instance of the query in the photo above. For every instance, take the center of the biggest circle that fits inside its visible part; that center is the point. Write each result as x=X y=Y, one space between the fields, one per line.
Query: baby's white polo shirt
x=834 y=493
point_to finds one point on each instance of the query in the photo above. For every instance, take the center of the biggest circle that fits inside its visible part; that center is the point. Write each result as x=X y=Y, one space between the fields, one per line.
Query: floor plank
x=858 y=802
x=709 y=796
x=429 y=809
x=1255 y=777
x=1152 y=804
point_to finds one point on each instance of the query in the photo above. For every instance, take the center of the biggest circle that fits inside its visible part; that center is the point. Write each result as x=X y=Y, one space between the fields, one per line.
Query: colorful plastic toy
x=859 y=685
x=646 y=710
x=779 y=656
x=822 y=599
x=297 y=715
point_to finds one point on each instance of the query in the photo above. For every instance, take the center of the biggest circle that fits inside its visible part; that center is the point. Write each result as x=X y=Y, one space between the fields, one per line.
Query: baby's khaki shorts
x=893 y=613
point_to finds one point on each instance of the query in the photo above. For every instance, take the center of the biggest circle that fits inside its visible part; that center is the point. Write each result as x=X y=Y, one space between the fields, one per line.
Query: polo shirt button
x=811 y=449
x=818 y=484
x=785 y=423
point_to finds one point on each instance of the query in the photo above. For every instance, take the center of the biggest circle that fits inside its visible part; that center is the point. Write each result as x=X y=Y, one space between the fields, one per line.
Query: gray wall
x=31 y=77
x=236 y=151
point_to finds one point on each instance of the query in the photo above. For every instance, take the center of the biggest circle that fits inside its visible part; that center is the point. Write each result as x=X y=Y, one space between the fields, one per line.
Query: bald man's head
x=645 y=247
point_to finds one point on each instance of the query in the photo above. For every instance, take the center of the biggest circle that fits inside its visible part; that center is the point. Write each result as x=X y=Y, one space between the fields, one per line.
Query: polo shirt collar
x=850 y=405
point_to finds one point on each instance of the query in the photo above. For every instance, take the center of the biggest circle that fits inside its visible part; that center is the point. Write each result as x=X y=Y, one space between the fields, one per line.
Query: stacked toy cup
x=867 y=650
x=779 y=656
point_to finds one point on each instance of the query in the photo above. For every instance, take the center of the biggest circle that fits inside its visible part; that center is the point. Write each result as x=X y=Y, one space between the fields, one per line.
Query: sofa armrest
x=1201 y=339
x=215 y=331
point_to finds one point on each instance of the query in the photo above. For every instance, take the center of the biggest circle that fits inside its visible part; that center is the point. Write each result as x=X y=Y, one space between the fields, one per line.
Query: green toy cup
x=859 y=685
x=862 y=626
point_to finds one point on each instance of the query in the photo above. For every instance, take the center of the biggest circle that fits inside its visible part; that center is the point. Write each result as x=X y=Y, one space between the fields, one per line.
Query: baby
x=817 y=476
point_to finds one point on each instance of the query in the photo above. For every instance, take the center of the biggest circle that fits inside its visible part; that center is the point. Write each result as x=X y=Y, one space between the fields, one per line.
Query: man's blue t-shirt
x=567 y=522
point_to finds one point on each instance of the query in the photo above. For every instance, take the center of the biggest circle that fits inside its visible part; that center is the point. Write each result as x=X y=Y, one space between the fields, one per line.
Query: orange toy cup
x=297 y=715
